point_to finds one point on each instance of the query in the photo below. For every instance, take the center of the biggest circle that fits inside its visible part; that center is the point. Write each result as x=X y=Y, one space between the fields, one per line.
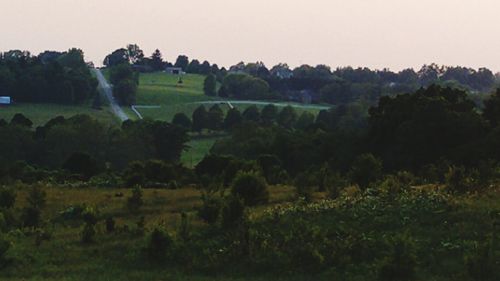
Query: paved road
x=106 y=88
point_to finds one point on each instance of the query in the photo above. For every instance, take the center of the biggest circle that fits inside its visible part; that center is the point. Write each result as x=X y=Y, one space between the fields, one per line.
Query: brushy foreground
x=374 y=235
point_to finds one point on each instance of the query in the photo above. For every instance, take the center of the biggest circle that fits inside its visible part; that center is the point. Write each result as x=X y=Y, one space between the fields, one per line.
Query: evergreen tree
x=210 y=85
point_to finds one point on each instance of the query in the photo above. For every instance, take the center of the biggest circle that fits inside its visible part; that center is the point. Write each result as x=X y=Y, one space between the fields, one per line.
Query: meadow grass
x=161 y=89
x=40 y=113
x=198 y=147
x=116 y=256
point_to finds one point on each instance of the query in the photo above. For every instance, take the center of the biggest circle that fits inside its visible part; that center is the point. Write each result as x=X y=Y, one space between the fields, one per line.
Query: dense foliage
x=50 y=77
x=85 y=147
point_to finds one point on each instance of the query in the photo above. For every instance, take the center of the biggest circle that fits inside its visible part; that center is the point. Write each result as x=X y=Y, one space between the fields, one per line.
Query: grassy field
x=160 y=89
x=119 y=256
x=113 y=256
x=41 y=113
x=199 y=147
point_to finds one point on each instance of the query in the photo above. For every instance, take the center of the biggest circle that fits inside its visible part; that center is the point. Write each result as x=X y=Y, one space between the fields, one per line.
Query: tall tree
x=135 y=54
x=215 y=118
x=119 y=56
x=200 y=118
x=209 y=85
x=180 y=119
x=233 y=118
x=251 y=114
x=269 y=114
x=182 y=62
x=157 y=60
x=287 y=117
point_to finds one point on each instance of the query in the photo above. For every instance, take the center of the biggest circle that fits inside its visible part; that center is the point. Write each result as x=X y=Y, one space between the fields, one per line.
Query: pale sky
x=374 y=33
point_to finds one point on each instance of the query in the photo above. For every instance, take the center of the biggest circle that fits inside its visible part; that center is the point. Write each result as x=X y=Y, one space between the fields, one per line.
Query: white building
x=174 y=71
x=5 y=101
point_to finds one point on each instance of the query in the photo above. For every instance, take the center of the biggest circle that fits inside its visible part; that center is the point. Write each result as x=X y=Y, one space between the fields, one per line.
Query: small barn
x=5 y=100
x=174 y=71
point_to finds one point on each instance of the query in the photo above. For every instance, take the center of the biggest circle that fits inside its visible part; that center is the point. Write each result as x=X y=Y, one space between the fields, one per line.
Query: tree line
x=424 y=133
x=305 y=83
x=50 y=77
x=216 y=119
x=83 y=147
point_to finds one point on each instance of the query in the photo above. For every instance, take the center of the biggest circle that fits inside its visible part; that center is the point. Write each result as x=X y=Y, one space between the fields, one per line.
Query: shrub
x=334 y=184
x=481 y=263
x=82 y=164
x=110 y=225
x=210 y=209
x=366 y=169
x=41 y=235
x=4 y=248
x=31 y=215
x=459 y=180
x=7 y=198
x=400 y=264
x=90 y=218
x=135 y=201
x=233 y=212
x=159 y=245
x=3 y=223
x=272 y=168
x=88 y=233
x=306 y=184
x=391 y=185
x=251 y=188
x=181 y=120
x=37 y=197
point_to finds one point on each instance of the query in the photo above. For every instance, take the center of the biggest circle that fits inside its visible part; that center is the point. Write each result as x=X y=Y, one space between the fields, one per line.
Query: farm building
x=5 y=101
x=174 y=71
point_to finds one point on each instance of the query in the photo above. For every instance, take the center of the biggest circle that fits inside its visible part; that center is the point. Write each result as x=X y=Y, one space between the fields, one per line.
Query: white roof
x=5 y=100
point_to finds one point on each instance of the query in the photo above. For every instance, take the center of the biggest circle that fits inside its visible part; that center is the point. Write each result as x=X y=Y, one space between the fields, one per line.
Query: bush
x=159 y=245
x=36 y=201
x=459 y=180
x=4 y=248
x=306 y=184
x=110 y=225
x=82 y=164
x=31 y=217
x=233 y=212
x=135 y=201
x=391 y=185
x=88 y=233
x=400 y=264
x=210 y=209
x=90 y=218
x=366 y=169
x=251 y=188
x=181 y=120
x=481 y=263
x=7 y=198
x=37 y=197
x=3 y=223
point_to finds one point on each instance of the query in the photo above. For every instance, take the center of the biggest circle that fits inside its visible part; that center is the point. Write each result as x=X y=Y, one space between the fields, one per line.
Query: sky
x=393 y=34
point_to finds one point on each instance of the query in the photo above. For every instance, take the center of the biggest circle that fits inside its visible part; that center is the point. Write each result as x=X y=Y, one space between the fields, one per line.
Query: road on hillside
x=108 y=92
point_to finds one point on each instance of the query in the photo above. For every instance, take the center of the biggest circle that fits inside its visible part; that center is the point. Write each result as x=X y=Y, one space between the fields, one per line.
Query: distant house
x=174 y=71
x=282 y=73
x=5 y=100
x=142 y=68
x=303 y=96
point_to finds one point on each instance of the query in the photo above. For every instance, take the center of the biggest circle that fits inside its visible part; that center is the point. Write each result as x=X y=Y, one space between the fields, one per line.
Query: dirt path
x=108 y=92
